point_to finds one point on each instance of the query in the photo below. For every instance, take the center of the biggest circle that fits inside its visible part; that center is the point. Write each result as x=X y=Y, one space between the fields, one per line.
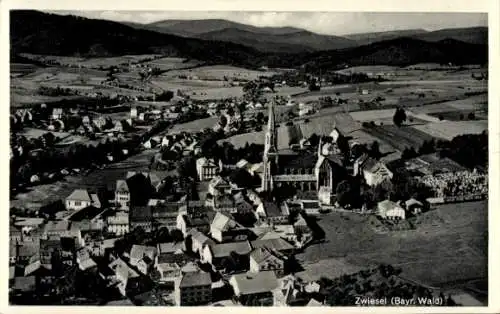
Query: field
x=220 y=72
x=35 y=133
x=44 y=194
x=195 y=126
x=241 y=139
x=172 y=63
x=400 y=137
x=449 y=244
x=456 y=115
x=449 y=129
x=89 y=62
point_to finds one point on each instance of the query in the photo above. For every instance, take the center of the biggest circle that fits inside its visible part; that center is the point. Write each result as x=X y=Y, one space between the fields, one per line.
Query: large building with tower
x=294 y=166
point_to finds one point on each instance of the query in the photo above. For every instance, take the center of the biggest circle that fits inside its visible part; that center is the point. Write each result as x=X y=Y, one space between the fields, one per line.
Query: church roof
x=298 y=161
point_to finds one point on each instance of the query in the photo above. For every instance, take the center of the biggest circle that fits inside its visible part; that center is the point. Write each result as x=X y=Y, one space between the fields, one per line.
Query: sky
x=330 y=23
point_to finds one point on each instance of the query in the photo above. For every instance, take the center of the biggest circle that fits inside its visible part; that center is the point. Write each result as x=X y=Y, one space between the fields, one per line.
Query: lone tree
x=399 y=116
x=345 y=195
x=375 y=150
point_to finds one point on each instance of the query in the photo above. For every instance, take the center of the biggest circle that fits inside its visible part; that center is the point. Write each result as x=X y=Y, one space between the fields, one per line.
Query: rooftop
x=79 y=195
x=140 y=213
x=224 y=223
x=225 y=249
x=200 y=237
x=271 y=209
x=253 y=283
x=139 y=251
x=261 y=254
x=170 y=247
x=278 y=244
x=57 y=226
x=122 y=186
x=195 y=279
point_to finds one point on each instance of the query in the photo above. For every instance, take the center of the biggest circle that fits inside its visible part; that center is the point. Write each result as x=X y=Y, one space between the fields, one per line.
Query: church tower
x=270 y=149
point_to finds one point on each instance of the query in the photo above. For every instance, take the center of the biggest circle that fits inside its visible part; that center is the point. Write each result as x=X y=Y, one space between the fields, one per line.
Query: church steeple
x=271 y=138
x=270 y=146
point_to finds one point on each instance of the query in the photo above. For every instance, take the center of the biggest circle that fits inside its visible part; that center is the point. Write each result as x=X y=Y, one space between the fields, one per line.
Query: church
x=295 y=167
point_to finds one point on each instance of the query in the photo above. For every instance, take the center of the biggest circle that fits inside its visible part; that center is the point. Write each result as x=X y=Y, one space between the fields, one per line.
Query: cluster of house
x=170 y=113
x=251 y=258
x=182 y=143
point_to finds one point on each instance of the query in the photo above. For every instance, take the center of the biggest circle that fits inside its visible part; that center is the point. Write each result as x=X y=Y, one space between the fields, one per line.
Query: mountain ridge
x=51 y=34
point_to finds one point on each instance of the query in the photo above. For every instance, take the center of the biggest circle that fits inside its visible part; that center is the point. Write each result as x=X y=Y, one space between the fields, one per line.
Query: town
x=159 y=181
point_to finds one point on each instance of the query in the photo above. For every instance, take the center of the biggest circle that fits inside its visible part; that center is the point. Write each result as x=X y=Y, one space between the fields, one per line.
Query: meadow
x=449 y=129
x=399 y=137
x=449 y=244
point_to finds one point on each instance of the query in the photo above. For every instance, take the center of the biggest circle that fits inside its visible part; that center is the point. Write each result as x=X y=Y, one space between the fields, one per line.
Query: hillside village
x=153 y=180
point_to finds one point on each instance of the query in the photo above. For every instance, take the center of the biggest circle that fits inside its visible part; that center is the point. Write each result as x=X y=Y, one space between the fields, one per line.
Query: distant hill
x=50 y=34
x=192 y=28
x=471 y=35
x=301 y=41
x=42 y=33
x=398 y=52
x=368 y=38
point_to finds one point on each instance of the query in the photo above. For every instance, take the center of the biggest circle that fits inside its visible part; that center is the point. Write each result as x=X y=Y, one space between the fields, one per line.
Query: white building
x=122 y=194
x=373 y=171
x=133 y=113
x=206 y=169
x=77 y=200
x=389 y=210
x=263 y=259
x=118 y=224
x=258 y=286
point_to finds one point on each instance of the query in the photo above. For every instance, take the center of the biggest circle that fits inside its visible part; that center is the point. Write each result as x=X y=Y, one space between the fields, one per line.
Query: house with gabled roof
x=78 y=199
x=264 y=259
x=218 y=185
x=198 y=241
x=143 y=257
x=125 y=277
x=218 y=253
x=57 y=113
x=272 y=213
x=257 y=287
x=274 y=244
x=122 y=194
x=223 y=227
x=373 y=171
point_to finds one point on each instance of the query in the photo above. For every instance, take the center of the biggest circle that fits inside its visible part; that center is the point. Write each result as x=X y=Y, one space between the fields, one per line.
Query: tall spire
x=270 y=146
x=271 y=127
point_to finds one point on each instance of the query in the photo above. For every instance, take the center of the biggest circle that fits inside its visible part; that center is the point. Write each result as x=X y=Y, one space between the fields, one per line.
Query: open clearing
x=196 y=125
x=44 y=194
x=449 y=129
x=220 y=72
x=89 y=62
x=456 y=115
x=400 y=137
x=449 y=244
x=172 y=63
x=240 y=140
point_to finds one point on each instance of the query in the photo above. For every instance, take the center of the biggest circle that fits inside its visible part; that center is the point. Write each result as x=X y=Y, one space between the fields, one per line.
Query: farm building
x=373 y=171
x=414 y=206
x=389 y=210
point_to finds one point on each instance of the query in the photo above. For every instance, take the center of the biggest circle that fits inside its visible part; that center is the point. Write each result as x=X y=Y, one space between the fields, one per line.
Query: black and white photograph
x=248 y=158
